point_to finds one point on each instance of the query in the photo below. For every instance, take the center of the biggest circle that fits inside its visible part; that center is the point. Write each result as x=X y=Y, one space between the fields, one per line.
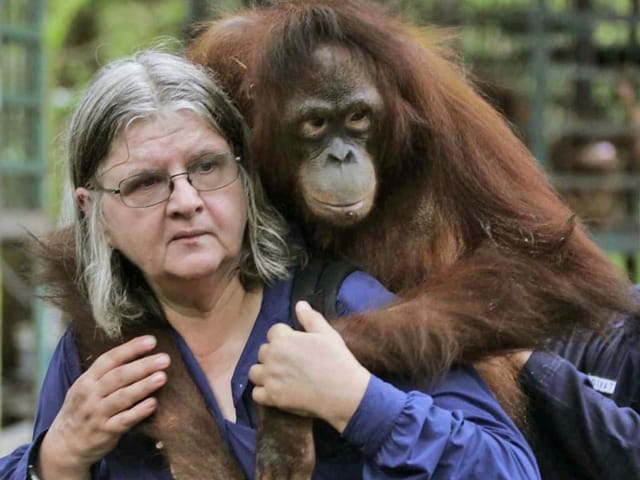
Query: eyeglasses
x=151 y=187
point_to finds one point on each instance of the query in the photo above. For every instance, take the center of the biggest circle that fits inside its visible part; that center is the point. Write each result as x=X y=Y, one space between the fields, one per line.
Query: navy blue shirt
x=585 y=397
x=453 y=429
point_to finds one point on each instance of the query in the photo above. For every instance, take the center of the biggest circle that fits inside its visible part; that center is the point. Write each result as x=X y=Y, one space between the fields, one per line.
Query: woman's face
x=191 y=235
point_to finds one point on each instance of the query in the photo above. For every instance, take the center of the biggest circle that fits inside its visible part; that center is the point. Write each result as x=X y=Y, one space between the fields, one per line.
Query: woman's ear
x=83 y=199
x=86 y=203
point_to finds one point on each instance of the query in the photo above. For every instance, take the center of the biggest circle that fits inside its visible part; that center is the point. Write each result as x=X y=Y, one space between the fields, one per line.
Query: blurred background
x=564 y=72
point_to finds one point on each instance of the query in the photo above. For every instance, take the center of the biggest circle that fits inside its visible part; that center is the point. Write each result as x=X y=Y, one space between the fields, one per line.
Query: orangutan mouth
x=343 y=208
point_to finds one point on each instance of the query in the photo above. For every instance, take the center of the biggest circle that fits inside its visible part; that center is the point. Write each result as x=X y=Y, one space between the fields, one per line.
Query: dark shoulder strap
x=318 y=283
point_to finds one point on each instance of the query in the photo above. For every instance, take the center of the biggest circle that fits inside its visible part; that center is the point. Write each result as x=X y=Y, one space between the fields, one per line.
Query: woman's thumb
x=311 y=320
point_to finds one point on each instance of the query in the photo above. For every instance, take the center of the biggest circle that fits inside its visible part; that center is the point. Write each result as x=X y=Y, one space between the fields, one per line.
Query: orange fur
x=466 y=226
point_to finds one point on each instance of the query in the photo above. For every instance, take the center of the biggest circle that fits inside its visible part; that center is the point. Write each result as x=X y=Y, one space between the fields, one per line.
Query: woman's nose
x=184 y=199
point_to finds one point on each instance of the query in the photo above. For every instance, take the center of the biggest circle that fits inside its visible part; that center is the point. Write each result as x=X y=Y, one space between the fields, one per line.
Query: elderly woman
x=172 y=235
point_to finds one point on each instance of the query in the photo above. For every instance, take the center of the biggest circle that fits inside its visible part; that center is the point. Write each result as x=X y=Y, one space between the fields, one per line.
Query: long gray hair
x=146 y=84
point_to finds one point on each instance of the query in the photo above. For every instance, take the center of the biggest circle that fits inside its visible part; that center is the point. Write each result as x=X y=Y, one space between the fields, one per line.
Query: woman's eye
x=360 y=120
x=143 y=181
x=313 y=127
x=205 y=166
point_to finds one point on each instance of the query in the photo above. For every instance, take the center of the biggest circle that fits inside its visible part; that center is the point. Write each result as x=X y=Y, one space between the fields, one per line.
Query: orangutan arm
x=486 y=304
x=182 y=424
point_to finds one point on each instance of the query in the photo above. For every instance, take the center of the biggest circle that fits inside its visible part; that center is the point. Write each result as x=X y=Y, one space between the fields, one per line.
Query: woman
x=172 y=235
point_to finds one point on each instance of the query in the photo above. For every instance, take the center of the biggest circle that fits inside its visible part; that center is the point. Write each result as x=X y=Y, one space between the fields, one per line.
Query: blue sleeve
x=63 y=370
x=360 y=292
x=456 y=431
x=594 y=430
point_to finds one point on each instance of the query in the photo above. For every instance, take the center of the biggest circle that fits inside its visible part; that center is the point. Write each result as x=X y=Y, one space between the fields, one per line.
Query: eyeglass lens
x=209 y=172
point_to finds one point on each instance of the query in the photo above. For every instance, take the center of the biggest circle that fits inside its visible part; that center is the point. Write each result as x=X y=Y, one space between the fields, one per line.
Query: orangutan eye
x=314 y=127
x=359 y=120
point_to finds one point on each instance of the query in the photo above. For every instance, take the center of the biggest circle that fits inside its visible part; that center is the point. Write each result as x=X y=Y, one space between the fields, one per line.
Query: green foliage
x=81 y=35
x=58 y=22
x=619 y=262
x=130 y=26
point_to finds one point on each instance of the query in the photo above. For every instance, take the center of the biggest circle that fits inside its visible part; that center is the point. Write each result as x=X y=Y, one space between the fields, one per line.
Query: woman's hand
x=107 y=400
x=309 y=373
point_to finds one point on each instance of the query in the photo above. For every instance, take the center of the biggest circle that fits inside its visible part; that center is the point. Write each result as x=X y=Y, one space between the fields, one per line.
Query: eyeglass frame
x=118 y=191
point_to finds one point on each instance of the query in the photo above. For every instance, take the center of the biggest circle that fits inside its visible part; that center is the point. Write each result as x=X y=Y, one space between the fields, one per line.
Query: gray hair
x=144 y=85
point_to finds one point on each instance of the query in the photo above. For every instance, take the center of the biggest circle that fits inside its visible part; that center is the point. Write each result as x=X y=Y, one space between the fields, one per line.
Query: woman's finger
x=132 y=372
x=120 y=355
x=263 y=352
x=123 y=398
x=256 y=374
x=127 y=419
x=259 y=395
x=278 y=330
x=311 y=320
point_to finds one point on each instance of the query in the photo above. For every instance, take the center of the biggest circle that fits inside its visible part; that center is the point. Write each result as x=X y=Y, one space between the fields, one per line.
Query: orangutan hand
x=310 y=373
x=103 y=403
